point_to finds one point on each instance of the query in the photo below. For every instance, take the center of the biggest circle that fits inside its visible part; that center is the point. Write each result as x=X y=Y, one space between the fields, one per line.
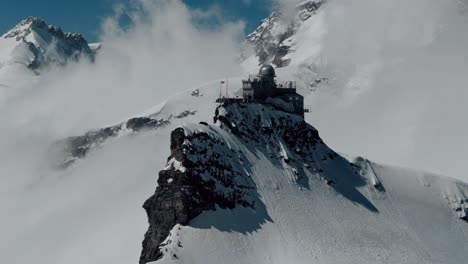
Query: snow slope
x=32 y=46
x=314 y=205
x=292 y=41
x=35 y=44
x=413 y=224
x=90 y=212
x=279 y=38
x=392 y=72
x=415 y=220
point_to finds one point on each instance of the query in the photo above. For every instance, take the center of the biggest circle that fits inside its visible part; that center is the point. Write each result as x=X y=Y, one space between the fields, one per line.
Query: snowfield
x=380 y=214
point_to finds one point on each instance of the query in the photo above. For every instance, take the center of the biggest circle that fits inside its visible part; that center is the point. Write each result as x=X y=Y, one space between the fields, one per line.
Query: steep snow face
x=292 y=41
x=278 y=38
x=392 y=73
x=216 y=173
x=301 y=201
x=34 y=44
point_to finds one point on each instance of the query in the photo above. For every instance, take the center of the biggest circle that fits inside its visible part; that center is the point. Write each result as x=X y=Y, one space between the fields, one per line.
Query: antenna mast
x=220 y=85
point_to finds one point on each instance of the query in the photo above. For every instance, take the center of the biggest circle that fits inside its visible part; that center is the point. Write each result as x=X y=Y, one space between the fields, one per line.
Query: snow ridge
x=71 y=149
x=271 y=41
x=259 y=172
x=36 y=44
x=209 y=168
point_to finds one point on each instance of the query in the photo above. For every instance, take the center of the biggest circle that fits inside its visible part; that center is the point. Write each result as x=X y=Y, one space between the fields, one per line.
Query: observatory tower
x=263 y=85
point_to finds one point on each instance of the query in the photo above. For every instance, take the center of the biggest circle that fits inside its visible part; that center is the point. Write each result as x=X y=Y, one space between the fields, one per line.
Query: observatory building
x=262 y=86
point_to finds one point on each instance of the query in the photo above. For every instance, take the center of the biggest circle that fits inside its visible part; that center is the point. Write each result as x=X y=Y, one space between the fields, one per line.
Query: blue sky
x=84 y=16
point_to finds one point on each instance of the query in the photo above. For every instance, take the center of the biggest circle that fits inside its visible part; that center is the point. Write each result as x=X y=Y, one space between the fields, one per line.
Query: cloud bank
x=165 y=51
x=398 y=95
x=398 y=82
x=92 y=213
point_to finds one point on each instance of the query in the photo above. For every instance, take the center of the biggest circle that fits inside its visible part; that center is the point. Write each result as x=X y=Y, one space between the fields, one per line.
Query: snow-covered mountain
x=244 y=183
x=292 y=42
x=259 y=185
x=35 y=44
x=277 y=40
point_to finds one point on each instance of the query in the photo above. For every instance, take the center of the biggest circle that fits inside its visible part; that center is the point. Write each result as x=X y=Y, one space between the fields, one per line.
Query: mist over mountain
x=46 y=44
x=32 y=47
x=384 y=70
x=89 y=132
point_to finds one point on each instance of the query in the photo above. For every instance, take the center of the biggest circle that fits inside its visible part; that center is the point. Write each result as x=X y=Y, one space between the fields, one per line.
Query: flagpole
x=227 y=88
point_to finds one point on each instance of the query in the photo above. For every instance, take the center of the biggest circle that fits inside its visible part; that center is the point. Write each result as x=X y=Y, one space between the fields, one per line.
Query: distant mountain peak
x=36 y=44
x=271 y=42
x=31 y=23
x=31 y=20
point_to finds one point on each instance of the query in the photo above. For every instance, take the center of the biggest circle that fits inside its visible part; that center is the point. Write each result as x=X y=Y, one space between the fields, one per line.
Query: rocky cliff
x=208 y=168
x=244 y=162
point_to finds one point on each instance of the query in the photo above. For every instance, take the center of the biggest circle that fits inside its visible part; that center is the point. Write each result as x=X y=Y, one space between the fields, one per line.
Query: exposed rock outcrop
x=201 y=175
x=214 y=167
x=206 y=170
x=71 y=149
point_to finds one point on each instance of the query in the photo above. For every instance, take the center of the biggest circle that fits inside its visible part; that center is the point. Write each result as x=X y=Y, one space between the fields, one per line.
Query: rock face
x=271 y=41
x=71 y=149
x=460 y=206
x=201 y=174
x=206 y=170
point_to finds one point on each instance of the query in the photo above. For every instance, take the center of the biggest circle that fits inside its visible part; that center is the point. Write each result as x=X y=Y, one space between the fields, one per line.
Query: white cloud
x=92 y=213
x=399 y=90
x=411 y=56
x=164 y=52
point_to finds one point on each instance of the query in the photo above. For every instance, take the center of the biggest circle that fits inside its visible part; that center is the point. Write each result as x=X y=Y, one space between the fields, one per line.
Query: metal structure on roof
x=263 y=87
x=267 y=71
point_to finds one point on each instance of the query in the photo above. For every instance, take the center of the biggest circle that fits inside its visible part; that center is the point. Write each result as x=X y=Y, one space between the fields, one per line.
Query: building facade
x=262 y=86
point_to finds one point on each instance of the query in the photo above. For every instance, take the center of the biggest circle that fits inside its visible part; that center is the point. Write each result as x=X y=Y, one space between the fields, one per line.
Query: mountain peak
x=35 y=44
x=261 y=177
x=33 y=20
x=270 y=171
x=274 y=39
x=26 y=26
